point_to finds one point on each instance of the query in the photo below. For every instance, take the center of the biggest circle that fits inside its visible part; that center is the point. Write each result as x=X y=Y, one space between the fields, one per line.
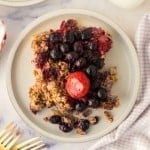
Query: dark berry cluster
x=92 y=100
x=82 y=49
x=63 y=126
x=67 y=126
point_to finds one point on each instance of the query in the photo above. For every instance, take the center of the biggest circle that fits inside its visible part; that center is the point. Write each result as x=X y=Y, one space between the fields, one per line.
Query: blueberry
x=55 y=37
x=95 y=84
x=65 y=127
x=91 y=70
x=84 y=124
x=93 y=102
x=71 y=57
x=64 y=48
x=102 y=94
x=55 y=119
x=72 y=68
x=86 y=34
x=88 y=54
x=99 y=63
x=69 y=37
x=102 y=76
x=80 y=106
x=92 y=45
x=77 y=35
x=77 y=47
x=56 y=54
x=80 y=63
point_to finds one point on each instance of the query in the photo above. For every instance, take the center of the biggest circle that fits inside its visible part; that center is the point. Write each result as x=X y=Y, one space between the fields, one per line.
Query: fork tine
x=7 y=128
x=27 y=142
x=12 y=136
x=14 y=141
x=5 y=136
x=30 y=146
x=8 y=139
x=10 y=125
x=44 y=148
x=39 y=146
x=13 y=132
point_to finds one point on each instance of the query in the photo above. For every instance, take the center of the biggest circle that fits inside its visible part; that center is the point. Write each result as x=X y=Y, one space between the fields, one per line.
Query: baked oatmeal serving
x=70 y=77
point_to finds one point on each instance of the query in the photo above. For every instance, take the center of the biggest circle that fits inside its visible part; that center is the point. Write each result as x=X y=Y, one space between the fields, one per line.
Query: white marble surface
x=17 y=18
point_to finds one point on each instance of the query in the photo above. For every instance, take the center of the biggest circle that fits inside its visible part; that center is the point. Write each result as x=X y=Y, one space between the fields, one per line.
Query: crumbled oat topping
x=80 y=131
x=45 y=94
x=93 y=120
x=39 y=42
x=108 y=116
x=54 y=64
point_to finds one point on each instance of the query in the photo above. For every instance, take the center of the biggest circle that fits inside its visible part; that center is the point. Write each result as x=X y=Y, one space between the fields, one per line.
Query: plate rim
x=20 y=4
x=42 y=19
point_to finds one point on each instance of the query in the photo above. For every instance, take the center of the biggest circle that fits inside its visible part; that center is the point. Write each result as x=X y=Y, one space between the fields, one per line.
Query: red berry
x=77 y=84
x=105 y=44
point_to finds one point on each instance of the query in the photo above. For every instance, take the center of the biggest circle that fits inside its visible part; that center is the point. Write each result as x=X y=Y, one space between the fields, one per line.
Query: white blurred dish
x=129 y=4
x=20 y=74
x=19 y=2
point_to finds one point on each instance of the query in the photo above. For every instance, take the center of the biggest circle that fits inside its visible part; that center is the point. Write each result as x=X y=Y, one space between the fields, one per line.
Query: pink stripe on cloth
x=134 y=132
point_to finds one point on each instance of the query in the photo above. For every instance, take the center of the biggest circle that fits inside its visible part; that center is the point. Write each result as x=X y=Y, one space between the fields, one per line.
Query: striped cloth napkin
x=134 y=132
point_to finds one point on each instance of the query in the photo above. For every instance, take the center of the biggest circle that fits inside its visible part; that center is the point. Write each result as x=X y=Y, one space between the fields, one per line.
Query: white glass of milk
x=129 y=4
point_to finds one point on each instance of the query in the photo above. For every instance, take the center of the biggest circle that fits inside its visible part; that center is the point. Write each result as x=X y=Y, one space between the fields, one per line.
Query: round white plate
x=19 y=2
x=20 y=74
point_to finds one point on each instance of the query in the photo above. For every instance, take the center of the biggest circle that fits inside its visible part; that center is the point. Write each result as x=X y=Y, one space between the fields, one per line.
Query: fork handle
x=3 y=148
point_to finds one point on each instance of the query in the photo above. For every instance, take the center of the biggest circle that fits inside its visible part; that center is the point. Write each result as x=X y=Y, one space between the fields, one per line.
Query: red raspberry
x=105 y=44
x=77 y=84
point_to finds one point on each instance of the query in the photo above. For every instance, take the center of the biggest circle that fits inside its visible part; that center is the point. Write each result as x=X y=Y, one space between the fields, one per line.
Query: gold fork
x=31 y=144
x=9 y=136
